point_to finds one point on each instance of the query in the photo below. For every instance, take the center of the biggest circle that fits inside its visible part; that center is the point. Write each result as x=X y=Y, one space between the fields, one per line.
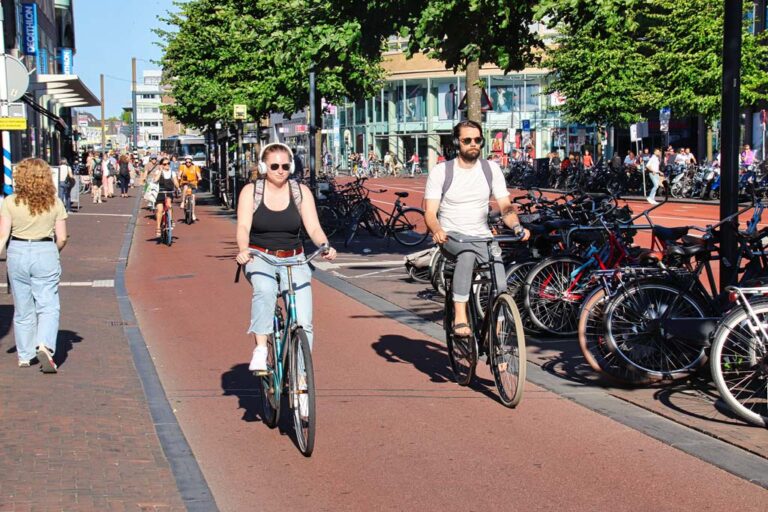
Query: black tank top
x=166 y=184
x=276 y=230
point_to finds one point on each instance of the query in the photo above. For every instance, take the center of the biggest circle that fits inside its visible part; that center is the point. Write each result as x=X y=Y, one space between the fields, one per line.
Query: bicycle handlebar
x=486 y=239
x=323 y=249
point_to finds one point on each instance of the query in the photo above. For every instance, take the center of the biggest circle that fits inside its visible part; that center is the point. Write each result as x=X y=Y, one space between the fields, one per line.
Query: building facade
x=149 y=115
x=41 y=33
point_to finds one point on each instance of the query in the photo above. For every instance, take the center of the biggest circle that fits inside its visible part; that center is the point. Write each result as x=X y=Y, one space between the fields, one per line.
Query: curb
x=732 y=459
x=189 y=478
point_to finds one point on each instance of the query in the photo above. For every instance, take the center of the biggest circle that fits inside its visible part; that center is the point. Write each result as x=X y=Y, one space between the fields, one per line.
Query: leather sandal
x=461 y=326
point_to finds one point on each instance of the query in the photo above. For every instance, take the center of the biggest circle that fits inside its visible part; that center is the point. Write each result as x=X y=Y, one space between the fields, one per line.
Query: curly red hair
x=33 y=185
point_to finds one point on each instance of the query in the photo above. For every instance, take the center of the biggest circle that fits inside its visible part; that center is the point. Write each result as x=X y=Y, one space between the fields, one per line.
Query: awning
x=66 y=90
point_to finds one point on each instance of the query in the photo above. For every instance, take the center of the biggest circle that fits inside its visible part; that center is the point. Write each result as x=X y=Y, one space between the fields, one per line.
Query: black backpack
x=124 y=170
x=98 y=172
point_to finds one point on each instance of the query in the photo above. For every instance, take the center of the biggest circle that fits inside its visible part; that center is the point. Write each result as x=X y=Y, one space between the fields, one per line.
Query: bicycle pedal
x=262 y=373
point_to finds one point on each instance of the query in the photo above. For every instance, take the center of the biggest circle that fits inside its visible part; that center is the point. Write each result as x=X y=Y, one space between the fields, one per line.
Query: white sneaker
x=258 y=360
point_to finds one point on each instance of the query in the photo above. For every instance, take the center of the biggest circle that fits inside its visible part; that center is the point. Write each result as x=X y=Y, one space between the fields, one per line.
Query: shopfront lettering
x=29 y=14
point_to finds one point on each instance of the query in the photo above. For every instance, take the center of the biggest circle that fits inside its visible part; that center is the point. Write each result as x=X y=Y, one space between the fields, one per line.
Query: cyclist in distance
x=168 y=184
x=270 y=214
x=461 y=210
x=189 y=176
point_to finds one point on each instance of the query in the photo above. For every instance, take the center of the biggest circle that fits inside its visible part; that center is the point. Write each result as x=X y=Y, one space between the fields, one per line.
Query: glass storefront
x=417 y=115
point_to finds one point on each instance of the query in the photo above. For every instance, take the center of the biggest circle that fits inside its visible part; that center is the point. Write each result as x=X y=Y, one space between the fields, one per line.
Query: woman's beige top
x=28 y=227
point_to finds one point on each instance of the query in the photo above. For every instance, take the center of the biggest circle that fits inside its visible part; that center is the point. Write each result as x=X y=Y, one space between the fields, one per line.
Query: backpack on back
x=258 y=193
x=124 y=169
x=449 y=176
x=98 y=172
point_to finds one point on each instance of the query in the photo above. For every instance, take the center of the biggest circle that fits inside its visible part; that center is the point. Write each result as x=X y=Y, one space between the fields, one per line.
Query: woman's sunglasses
x=274 y=167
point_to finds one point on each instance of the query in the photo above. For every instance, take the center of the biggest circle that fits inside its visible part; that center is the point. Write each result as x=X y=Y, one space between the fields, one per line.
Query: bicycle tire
x=270 y=388
x=507 y=351
x=739 y=364
x=630 y=315
x=462 y=352
x=551 y=307
x=594 y=348
x=351 y=230
x=329 y=220
x=300 y=361
x=188 y=212
x=436 y=277
x=409 y=227
x=419 y=275
x=516 y=275
x=168 y=228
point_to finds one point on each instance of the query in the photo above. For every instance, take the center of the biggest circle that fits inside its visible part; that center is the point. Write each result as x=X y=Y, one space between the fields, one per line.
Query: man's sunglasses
x=274 y=167
x=467 y=140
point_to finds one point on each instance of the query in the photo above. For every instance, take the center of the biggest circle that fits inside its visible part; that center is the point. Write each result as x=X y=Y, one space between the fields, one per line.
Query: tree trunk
x=474 y=91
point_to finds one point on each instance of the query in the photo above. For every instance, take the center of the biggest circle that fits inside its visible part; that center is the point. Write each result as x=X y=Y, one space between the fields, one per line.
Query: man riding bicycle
x=457 y=198
x=189 y=177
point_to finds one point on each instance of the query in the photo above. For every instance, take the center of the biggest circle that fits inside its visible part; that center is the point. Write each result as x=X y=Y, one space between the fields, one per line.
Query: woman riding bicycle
x=270 y=215
x=168 y=184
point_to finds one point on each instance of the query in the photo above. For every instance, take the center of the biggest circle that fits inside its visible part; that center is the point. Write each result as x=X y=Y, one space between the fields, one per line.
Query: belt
x=48 y=239
x=279 y=252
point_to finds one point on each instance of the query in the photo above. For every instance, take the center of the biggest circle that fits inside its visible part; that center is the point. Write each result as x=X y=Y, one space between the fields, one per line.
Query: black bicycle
x=499 y=334
x=404 y=224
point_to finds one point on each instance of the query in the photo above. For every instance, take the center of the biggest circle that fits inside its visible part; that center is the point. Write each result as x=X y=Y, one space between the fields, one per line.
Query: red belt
x=279 y=253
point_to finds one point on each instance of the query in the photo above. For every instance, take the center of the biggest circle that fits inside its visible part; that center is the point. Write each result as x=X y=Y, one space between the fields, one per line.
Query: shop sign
x=29 y=24
x=66 y=60
x=13 y=123
x=241 y=112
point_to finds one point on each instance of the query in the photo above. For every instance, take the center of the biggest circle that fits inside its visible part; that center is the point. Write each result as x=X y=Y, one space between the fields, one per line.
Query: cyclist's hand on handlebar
x=243 y=257
x=330 y=254
x=439 y=237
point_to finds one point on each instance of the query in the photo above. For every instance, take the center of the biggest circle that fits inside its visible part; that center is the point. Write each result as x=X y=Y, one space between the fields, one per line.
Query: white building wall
x=148 y=114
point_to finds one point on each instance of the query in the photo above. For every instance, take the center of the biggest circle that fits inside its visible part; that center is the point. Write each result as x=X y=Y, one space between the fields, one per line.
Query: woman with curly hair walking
x=33 y=217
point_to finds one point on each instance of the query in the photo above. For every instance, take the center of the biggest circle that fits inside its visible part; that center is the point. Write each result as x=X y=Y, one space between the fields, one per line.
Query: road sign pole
x=6 y=136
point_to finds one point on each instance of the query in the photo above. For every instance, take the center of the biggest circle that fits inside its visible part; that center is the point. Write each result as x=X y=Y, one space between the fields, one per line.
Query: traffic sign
x=241 y=112
x=13 y=123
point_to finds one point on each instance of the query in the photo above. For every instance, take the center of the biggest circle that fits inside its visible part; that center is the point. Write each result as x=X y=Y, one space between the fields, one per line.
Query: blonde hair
x=33 y=186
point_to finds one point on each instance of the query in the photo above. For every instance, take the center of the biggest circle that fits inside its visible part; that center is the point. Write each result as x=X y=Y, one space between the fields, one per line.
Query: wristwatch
x=517 y=230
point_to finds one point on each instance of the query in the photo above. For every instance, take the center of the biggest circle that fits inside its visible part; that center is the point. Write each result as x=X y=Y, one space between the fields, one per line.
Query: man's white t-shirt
x=464 y=208
x=653 y=165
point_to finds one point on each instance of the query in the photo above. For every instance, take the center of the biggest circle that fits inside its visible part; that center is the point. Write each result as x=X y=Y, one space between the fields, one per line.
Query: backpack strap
x=484 y=165
x=258 y=193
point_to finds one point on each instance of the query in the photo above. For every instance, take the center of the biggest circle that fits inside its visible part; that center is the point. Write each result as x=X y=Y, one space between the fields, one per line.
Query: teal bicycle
x=289 y=365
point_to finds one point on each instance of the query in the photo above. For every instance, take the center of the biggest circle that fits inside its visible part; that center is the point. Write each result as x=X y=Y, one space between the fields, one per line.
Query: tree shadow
x=429 y=357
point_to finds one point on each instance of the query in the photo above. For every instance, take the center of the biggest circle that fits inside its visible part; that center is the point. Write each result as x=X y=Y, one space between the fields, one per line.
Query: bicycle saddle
x=401 y=194
x=669 y=234
x=685 y=250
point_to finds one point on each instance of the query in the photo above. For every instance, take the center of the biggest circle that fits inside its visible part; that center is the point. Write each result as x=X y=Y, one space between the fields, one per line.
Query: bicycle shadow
x=429 y=357
x=698 y=398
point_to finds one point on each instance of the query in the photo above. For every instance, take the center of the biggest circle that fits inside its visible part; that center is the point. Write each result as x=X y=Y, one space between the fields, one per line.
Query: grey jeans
x=467 y=255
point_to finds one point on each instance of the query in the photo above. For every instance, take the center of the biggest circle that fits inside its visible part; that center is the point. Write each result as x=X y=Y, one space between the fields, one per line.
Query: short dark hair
x=466 y=123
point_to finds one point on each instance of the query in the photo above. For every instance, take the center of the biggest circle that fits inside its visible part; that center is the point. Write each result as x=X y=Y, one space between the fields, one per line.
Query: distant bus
x=186 y=145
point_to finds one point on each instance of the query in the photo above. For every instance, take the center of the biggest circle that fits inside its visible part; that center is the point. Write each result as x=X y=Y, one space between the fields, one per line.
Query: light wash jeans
x=34 y=270
x=263 y=279
x=655 y=180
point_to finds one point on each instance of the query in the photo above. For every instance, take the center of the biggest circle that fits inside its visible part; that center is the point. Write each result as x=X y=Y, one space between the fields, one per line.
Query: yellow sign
x=13 y=123
x=241 y=112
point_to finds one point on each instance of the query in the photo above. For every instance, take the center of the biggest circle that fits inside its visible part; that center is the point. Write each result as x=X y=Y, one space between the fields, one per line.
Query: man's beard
x=470 y=155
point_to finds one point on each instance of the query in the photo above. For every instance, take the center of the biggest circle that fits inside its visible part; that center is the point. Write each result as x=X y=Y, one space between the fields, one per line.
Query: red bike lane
x=394 y=431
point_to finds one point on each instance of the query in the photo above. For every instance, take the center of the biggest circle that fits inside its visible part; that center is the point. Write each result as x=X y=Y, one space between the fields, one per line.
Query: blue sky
x=108 y=33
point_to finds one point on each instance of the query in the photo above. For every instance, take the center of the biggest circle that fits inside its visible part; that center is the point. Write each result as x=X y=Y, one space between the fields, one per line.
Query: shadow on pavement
x=6 y=319
x=240 y=382
x=64 y=343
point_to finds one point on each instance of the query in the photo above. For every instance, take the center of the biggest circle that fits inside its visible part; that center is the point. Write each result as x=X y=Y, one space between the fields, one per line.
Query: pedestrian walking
x=110 y=173
x=66 y=180
x=124 y=174
x=414 y=161
x=97 y=179
x=654 y=170
x=34 y=219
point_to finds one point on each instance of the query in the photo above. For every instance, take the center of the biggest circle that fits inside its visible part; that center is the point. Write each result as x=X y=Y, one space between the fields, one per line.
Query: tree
x=259 y=53
x=464 y=34
x=126 y=117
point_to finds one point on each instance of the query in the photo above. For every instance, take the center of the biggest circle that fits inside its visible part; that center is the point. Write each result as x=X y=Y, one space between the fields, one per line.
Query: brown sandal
x=461 y=326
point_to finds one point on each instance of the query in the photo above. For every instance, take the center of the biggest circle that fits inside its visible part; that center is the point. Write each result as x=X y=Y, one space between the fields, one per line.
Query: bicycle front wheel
x=462 y=352
x=739 y=363
x=168 y=228
x=409 y=227
x=270 y=388
x=301 y=381
x=508 y=357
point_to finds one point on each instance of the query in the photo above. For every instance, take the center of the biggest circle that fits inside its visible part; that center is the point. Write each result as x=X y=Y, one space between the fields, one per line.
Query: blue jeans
x=66 y=196
x=263 y=278
x=655 y=180
x=34 y=270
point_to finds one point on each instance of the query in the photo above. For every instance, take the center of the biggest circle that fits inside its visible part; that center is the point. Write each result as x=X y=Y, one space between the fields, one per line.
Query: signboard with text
x=29 y=27
x=241 y=112
x=13 y=123
x=66 y=60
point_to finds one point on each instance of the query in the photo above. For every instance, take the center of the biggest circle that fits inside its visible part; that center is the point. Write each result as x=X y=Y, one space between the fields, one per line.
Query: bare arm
x=60 y=228
x=509 y=215
x=244 y=221
x=430 y=216
x=5 y=232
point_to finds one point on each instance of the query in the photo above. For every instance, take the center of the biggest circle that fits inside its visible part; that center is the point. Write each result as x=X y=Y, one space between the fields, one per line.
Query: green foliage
x=223 y=52
x=616 y=60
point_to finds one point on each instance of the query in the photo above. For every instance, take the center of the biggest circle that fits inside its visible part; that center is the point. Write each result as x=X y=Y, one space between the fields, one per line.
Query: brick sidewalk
x=82 y=439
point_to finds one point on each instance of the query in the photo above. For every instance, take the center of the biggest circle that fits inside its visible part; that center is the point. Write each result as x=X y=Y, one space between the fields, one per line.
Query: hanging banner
x=29 y=24
x=66 y=60
x=42 y=62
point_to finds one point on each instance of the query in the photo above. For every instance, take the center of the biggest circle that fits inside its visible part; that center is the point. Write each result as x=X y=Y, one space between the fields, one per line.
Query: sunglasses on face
x=274 y=167
x=468 y=140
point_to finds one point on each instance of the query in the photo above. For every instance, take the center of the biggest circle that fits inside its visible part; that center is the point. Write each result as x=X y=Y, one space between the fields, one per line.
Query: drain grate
x=118 y=323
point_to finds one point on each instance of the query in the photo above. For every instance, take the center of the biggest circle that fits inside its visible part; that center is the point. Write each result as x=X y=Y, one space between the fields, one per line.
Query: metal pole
x=313 y=115
x=6 y=137
x=729 y=138
x=133 y=105
x=103 y=124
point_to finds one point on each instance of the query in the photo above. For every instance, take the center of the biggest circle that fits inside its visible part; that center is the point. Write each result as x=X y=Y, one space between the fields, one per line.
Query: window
x=149 y=96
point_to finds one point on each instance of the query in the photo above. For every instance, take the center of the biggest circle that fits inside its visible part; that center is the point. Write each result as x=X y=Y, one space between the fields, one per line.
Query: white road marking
x=327 y=265
x=99 y=283
x=102 y=215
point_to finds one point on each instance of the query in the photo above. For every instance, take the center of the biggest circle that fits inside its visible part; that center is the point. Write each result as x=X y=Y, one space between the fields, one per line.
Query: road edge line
x=725 y=456
x=190 y=481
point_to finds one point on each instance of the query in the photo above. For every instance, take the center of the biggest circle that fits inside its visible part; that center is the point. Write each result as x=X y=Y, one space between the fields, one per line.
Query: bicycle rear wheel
x=508 y=357
x=301 y=380
x=462 y=352
x=270 y=388
x=409 y=227
x=739 y=363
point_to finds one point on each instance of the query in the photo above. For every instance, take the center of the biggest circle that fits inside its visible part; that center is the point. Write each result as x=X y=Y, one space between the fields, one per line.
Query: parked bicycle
x=404 y=224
